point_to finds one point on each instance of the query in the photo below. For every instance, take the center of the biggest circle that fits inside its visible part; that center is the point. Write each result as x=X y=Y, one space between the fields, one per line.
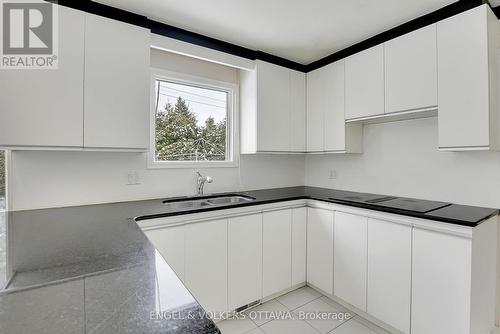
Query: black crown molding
x=160 y=28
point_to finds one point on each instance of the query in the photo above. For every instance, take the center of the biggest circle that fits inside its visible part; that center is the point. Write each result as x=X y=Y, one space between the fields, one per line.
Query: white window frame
x=232 y=121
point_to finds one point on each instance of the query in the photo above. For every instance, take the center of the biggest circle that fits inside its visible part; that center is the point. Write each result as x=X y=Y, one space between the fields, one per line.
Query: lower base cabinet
x=320 y=248
x=206 y=263
x=441 y=283
x=299 y=240
x=350 y=258
x=277 y=251
x=389 y=273
x=170 y=243
x=417 y=277
x=244 y=251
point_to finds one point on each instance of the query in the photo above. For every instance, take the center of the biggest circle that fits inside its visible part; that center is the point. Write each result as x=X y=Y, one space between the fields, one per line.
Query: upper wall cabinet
x=364 y=83
x=467 y=52
x=326 y=129
x=98 y=98
x=411 y=71
x=272 y=109
x=41 y=108
x=116 y=84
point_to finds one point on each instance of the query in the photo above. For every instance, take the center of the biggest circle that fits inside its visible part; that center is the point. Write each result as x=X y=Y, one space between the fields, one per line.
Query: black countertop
x=90 y=269
x=464 y=215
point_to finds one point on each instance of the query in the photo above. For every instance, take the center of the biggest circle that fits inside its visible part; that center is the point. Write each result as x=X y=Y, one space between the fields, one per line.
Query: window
x=192 y=122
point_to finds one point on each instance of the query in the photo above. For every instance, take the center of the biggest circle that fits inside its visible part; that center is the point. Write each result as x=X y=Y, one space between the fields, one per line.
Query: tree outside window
x=190 y=123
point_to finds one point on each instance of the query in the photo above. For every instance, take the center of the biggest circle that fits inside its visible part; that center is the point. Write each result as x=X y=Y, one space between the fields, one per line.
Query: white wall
x=401 y=158
x=52 y=179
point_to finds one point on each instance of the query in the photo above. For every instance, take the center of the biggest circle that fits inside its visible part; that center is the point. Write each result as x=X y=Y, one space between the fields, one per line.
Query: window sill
x=192 y=165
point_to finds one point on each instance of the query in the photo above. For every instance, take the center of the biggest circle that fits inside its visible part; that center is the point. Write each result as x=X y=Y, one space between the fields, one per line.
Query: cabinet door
x=45 y=107
x=273 y=105
x=244 y=250
x=411 y=71
x=364 y=83
x=320 y=249
x=117 y=84
x=441 y=283
x=389 y=273
x=297 y=111
x=333 y=107
x=206 y=264
x=169 y=242
x=316 y=94
x=299 y=222
x=277 y=251
x=463 y=80
x=350 y=258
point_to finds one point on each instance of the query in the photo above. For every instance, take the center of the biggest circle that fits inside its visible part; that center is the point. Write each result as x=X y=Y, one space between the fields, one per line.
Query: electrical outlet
x=332 y=174
x=133 y=178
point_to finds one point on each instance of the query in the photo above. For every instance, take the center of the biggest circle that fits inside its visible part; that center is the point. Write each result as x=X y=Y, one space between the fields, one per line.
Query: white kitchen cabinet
x=297 y=111
x=411 y=71
x=364 y=83
x=273 y=105
x=320 y=224
x=467 y=45
x=206 y=263
x=389 y=273
x=441 y=283
x=117 y=84
x=350 y=258
x=272 y=109
x=299 y=239
x=169 y=241
x=277 y=251
x=44 y=108
x=244 y=260
x=326 y=127
x=316 y=96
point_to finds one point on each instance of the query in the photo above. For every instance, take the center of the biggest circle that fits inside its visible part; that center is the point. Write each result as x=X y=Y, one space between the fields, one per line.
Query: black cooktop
x=411 y=204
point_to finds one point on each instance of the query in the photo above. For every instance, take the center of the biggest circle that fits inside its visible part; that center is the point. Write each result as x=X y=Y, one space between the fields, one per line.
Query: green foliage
x=2 y=173
x=178 y=136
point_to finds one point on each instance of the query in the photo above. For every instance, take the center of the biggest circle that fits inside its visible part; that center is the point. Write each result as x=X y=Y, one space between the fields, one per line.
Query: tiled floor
x=292 y=314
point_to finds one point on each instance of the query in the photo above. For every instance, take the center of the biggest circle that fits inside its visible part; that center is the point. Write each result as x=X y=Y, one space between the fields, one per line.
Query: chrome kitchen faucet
x=201 y=183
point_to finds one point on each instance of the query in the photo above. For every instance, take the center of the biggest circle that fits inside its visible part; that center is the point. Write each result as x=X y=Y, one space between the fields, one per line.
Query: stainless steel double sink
x=199 y=203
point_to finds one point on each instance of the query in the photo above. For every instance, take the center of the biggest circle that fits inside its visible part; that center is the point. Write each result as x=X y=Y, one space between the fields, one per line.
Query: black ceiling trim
x=422 y=21
x=216 y=44
x=496 y=11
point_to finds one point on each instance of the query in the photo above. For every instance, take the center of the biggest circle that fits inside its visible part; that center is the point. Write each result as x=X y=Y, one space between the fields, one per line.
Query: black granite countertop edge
x=286 y=198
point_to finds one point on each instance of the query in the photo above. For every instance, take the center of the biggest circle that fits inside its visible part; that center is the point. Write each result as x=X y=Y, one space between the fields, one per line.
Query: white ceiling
x=299 y=30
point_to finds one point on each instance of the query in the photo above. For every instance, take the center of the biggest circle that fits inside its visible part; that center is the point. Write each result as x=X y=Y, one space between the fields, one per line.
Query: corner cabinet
x=98 y=98
x=273 y=107
x=326 y=127
x=467 y=46
x=117 y=84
